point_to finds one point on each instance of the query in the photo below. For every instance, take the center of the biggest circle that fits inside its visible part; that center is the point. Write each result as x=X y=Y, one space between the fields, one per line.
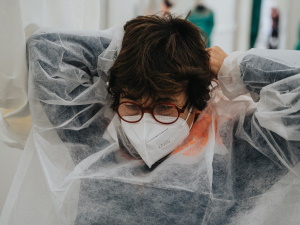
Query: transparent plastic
x=239 y=164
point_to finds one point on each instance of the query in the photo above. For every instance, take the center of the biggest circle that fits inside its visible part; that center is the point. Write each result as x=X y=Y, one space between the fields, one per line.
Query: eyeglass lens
x=164 y=113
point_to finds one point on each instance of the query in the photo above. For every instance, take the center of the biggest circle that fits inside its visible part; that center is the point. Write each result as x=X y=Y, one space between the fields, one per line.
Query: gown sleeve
x=273 y=80
x=265 y=142
x=67 y=83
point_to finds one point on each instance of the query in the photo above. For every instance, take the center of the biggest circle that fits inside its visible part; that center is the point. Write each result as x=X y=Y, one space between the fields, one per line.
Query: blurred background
x=234 y=25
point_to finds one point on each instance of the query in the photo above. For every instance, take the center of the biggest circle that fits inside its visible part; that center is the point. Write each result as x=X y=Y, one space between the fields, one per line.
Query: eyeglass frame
x=143 y=109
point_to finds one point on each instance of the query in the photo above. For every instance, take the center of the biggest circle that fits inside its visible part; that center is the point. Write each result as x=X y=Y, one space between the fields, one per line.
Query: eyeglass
x=165 y=113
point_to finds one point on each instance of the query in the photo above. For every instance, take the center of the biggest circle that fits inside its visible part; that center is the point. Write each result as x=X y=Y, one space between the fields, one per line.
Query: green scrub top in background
x=256 y=9
x=298 y=44
x=203 y=18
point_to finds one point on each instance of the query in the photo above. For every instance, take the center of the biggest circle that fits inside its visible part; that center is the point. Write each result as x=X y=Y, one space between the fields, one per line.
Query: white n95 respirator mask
x=153 y=140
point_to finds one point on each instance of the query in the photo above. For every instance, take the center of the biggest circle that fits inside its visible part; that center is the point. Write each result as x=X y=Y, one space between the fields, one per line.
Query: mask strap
x=190 y=111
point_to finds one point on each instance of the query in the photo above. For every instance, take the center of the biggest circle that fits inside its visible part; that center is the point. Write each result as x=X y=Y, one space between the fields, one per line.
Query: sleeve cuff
x=229 y=76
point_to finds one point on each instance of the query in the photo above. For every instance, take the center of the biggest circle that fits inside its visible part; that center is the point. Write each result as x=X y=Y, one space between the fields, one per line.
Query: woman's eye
x=165 y=107
x=132 y=107
x=165 y=110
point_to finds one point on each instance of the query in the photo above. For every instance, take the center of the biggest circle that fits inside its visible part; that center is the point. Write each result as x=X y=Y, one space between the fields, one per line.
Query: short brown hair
x=162 y=56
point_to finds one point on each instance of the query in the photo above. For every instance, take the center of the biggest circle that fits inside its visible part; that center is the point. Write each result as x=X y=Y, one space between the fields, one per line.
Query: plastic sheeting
x=239 y=165
x=18 y=20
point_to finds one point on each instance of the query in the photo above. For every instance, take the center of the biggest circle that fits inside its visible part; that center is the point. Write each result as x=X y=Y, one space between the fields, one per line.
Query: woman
x=90 y=158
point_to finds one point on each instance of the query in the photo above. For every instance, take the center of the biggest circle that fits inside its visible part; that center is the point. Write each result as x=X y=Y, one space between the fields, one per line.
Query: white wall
x=243 y=20
x=120 y=11
x=293 y=24
x=225 y=23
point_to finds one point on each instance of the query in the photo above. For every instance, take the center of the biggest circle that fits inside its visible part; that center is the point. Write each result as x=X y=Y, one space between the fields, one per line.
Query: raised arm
x=273 y=79
x=264 y=143
x=67 y=86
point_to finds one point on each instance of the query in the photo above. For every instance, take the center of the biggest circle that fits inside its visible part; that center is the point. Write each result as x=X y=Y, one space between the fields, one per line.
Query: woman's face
x=178 y=100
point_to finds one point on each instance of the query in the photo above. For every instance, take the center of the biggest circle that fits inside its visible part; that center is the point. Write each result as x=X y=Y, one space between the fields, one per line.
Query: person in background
x=203 y=18
x=166 y=6
x=273 y=41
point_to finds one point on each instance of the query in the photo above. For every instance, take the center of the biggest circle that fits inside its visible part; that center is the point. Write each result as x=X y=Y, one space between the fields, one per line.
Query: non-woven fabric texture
x=239 y=164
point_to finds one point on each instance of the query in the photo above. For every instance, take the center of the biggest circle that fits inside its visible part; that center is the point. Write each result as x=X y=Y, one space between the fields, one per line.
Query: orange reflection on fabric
x=198 y=137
